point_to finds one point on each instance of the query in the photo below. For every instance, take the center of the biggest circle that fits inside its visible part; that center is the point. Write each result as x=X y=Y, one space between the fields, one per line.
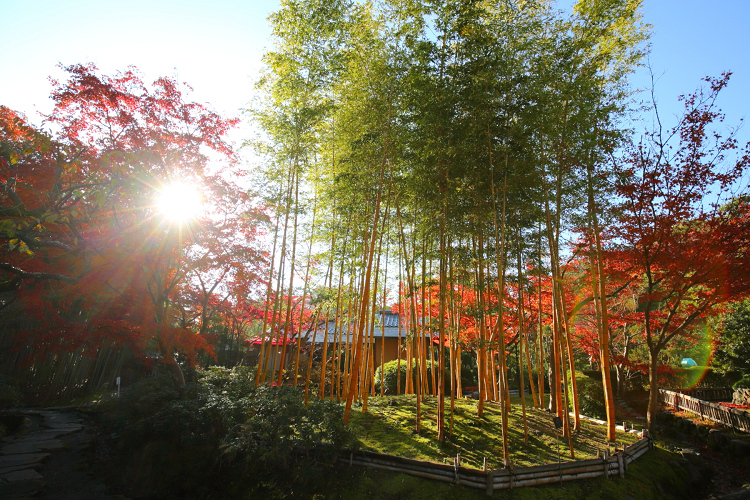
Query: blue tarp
x=688 y=363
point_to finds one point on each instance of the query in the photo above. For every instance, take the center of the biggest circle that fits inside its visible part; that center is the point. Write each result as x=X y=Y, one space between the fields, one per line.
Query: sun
x=179 y=202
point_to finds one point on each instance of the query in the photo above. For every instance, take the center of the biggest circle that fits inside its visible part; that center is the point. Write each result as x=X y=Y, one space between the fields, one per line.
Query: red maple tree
x=684 y=249
x=86 y=251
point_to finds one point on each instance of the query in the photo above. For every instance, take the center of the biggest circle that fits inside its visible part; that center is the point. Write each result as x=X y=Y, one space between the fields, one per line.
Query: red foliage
x=684 y=253
x=86 y=255
x=735 y=406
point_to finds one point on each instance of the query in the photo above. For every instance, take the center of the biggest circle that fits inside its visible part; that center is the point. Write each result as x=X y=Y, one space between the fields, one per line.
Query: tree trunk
x=653 y=390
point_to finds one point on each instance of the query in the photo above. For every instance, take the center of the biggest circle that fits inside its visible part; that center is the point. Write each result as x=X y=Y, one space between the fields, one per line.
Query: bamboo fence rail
x=730 y=417
x=508 y=477
x=709 y=393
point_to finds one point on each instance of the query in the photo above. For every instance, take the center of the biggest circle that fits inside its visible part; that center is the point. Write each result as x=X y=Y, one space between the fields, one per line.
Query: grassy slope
x=651 y=477
x=388 y=427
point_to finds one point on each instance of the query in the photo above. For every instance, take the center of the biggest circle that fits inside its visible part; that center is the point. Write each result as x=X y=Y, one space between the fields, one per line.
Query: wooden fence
x=730 y=417
x=509 y=477
x=709 y=393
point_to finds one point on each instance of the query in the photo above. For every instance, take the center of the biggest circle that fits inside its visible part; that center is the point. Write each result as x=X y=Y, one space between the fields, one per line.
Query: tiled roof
x=389 y=318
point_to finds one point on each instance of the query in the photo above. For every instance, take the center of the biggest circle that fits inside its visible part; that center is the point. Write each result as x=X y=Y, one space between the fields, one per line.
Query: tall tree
x=686 y=251
x=93 y=194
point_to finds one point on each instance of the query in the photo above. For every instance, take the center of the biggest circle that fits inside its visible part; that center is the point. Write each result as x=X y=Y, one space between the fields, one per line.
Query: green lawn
x=651 y=477
x=389 y=427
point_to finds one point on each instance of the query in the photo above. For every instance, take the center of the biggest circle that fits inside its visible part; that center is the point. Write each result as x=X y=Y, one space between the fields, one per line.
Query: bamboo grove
x=434 y=158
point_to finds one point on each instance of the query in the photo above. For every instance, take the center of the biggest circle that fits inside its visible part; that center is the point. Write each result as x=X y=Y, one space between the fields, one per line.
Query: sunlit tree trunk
x=540 y=327
x=290 y=291
x=500 y=231
x=521 y=338
x=366 y=288
x=600 y=296
x=302 y=307
x=263 y=334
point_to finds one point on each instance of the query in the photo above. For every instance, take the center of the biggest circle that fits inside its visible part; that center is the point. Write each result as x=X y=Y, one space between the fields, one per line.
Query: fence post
x=490 y=483
x=606 y=463
x=620 y=465
x=510 y=477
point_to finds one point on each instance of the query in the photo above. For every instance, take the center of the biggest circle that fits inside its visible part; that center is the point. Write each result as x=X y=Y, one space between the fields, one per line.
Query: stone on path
x=32 y=446
x=22 y=459
x=22 y=456
x=22 y=475
x=21 y=489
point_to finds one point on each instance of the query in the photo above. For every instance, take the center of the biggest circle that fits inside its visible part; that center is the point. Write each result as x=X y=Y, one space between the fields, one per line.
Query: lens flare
x=702 y=353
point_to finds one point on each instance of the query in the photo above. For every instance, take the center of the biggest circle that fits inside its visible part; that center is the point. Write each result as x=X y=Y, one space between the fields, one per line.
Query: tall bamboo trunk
x=521 y=336
x=382 y=317
x=263 y=344
x=401 y=319
x=302 y=307
x=481 y=357
x=556 y=402
x=600 y=293
x=289 y=309
x=366 y=288
x=276 y=315
x=500 y=232
x=540 y=328
x=442 y=278
x=369 y=376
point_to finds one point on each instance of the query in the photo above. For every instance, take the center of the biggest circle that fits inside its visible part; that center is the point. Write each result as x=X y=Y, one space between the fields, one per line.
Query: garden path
x=48 y=458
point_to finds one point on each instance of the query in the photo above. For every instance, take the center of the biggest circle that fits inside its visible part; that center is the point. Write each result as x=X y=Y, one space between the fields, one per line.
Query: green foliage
x=591 y=397
x=388 y=374
x=743 y=383
x=733 y=351
x=469 y=369
x=283 y=441
x=702 y=376
x=10 y=393
x=223 y=430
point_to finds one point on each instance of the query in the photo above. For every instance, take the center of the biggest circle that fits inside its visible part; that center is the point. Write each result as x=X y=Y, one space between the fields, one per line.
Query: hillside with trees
x=471 y=169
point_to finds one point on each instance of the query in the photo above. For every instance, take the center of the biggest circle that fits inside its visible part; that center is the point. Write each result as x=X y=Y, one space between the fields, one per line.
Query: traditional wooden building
x=387 y=337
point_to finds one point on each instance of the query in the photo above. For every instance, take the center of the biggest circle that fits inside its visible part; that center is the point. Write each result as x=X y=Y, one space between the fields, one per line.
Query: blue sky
x=216 y=46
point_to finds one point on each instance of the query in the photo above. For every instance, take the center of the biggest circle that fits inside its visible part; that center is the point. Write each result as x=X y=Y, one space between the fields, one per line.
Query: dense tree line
x=471 y=163
x=468 y=165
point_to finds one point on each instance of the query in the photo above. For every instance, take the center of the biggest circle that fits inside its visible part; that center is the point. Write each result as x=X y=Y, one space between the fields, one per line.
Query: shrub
x=388 y=375
x=591 y=397
x=743 y=383
x=10 y=393
x=279 y=423
x=222 y=433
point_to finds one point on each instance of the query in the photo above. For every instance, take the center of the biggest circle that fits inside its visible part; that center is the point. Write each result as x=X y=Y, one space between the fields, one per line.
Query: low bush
x=222 y=433
x=591 y=397
x=743 y=383
x=10 y=393
x=388 y=375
